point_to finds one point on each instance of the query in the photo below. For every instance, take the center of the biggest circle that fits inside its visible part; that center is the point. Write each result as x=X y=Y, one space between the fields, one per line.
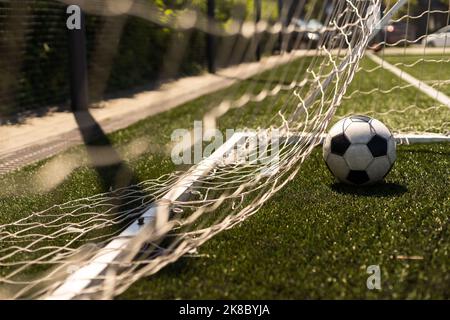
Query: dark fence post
x=78 y=67
x=281 y=20
x=210 y=39
x=258 y=36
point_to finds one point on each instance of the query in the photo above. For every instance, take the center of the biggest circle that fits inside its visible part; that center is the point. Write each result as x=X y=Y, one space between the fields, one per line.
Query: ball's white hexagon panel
x=338 y=166
x=347 y=123
x=391 y=151
x=359 y=132
x=326 y=147
x=378 y=168
x=380 y=128
x=360 y=118
x=339 y=127
x=358 y=157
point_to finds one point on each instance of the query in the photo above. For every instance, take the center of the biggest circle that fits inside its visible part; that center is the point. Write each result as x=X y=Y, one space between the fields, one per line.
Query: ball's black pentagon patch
x=360 y=118
x=378 y=146
x=358 y=177
x=339 y=144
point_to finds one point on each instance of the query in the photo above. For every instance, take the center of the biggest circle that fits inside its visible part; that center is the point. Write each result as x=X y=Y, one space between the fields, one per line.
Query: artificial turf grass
x=389 y=101
x=426 y=68
x=85 y=181
x=155 y=130
x=316 y=238
x=385 y=104
x=19 y=196
x=423 y=67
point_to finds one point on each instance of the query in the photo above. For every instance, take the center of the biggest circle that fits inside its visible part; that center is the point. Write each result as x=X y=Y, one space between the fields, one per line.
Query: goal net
x=319 y=61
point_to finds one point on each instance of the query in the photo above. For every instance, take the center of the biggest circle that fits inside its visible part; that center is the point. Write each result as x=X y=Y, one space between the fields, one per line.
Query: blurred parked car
x=440 y=38
x=396 y=33
x=306 y=34
x=312 y=34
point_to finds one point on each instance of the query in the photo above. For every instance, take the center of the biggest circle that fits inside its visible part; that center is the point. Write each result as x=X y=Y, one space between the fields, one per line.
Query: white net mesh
x=78 y=249
x=413 y=54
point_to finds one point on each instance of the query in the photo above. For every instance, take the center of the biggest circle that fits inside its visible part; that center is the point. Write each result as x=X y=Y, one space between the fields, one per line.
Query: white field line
x=420 y=85
x=74 y=285
x=414 y=50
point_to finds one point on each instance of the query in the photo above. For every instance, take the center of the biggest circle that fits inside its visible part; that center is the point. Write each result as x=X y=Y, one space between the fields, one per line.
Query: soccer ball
x=359 y=150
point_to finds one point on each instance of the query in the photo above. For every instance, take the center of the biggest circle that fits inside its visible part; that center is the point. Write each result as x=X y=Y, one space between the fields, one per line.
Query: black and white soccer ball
x=359 y=150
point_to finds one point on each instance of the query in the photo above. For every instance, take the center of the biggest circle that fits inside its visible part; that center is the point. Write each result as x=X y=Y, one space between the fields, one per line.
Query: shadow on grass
x=383 y=189
x=113 y=172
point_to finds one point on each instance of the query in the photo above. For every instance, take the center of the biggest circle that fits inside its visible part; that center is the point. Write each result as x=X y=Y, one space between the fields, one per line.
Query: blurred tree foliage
x=36 y=61
x=34 y=45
